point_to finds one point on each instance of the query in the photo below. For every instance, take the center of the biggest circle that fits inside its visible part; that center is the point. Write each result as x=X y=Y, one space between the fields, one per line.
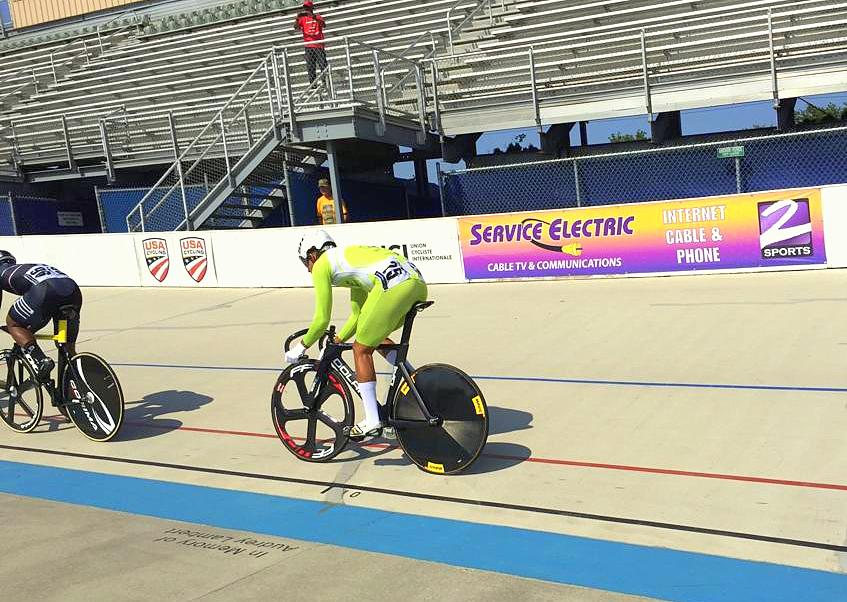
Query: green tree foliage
x=517 y=146
x=620 y=137
x=815 y=115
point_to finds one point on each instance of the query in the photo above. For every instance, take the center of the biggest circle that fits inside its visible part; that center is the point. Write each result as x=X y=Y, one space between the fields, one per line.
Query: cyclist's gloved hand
x=295 y=353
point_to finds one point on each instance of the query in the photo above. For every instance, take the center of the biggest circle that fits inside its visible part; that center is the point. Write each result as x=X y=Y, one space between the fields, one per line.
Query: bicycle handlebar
x=328 y=335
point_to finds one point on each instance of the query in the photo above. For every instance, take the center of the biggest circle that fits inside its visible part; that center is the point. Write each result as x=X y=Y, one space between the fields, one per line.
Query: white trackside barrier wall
x=795 y=229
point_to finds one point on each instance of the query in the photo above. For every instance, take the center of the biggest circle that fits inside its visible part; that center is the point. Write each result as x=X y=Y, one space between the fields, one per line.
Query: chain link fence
x=797 y=159
x=7 y=217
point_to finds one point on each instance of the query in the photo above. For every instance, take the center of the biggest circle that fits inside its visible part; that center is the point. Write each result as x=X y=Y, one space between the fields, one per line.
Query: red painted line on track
x=681 y=473
x=553 y=461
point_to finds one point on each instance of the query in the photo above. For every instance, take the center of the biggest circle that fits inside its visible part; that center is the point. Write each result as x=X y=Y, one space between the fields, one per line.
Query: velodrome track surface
x=672 y=438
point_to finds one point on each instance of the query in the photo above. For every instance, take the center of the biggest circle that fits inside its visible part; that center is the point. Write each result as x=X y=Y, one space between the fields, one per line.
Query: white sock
x=368 y=392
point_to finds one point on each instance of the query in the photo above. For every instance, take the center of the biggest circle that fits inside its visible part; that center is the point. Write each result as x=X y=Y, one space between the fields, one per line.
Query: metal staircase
x=235 y=172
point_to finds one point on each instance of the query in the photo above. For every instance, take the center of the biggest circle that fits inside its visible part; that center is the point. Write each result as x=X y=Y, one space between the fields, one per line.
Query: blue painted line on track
x=539 y=379
x=639 y=570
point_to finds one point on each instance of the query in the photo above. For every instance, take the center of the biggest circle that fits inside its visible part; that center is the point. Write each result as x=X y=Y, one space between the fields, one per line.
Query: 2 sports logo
x=194 y=257
x=785 y=229
x=156 y=256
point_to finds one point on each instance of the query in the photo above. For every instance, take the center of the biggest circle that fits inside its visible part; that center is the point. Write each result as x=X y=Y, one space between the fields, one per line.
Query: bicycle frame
x=331 y=358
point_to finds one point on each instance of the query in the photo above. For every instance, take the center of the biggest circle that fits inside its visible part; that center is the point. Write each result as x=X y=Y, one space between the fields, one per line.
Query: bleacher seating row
x=196 y=69
x=190 y=64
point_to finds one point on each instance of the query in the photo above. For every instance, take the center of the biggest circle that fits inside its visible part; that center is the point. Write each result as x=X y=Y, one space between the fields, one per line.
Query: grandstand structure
x=218 y=99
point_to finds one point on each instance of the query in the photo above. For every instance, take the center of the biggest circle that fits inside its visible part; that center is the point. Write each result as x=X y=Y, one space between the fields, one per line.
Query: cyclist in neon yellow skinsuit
x=383 y=287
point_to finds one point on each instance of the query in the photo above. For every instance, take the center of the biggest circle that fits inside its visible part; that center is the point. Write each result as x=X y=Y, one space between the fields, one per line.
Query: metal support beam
x=278 y=83
x=175 y=145
x=667 y=126
x=288 y=195
x=222 y=125
x=557 y=139
x=271 y=106
x=334 y=179
x=576 y=183
x=349 y=69
x=289 y=98
x=440 y=176
x=785 y=114
x=248 y=129
x=107 y=152
x=648 y=101
x=535 y=106
x=53 y=68
x=419 y=88
x=738 y=175
x=380 y=92
x=436 y=108
x=421 y=178
x=68 y=149
x=774 y=82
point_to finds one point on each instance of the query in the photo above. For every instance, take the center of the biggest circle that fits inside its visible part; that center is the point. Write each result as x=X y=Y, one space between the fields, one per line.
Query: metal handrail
x=62 y=49
x=216 y=119
x=477 y=7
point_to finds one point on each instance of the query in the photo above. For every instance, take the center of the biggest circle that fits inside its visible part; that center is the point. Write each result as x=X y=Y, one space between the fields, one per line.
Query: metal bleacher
x=193 y=70
x=445 y=66
x=614 y=58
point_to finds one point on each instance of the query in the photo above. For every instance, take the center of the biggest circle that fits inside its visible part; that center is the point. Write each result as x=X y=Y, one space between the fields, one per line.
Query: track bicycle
x=88 y=392
x=437 y=411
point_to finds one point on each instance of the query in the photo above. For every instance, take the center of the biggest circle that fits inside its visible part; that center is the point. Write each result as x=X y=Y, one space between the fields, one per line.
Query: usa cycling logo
x=156 y=256
x=785 y=229
x=194 y=257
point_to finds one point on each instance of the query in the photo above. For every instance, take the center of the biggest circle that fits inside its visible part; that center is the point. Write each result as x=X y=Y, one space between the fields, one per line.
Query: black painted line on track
x=442 y=498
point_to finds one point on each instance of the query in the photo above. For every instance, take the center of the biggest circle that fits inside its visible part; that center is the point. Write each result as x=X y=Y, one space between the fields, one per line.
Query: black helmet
x=7 y=259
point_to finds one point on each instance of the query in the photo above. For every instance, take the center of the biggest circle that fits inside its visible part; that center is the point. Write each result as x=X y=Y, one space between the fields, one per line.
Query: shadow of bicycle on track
x=497 y=455
x=145 y=418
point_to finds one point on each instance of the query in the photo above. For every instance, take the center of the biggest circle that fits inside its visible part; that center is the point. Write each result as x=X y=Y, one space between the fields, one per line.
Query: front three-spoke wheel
x=317 y=433
x=21 y=398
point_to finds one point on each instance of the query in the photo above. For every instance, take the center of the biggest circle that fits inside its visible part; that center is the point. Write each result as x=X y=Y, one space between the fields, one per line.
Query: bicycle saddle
x=422 y=306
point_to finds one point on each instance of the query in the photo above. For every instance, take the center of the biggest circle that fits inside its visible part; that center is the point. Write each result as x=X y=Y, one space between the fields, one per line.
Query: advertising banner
x=175 y=259
x=268 y=257
x=772 y=229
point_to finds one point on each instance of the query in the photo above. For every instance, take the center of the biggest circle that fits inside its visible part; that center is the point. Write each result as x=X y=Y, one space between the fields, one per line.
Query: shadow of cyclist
x=144 y=418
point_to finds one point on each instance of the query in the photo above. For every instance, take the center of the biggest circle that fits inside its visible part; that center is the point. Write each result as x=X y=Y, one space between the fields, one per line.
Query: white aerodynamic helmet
x=313 y=239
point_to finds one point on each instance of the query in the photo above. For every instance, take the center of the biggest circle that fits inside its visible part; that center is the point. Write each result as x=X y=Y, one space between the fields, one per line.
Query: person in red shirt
x=312 y=25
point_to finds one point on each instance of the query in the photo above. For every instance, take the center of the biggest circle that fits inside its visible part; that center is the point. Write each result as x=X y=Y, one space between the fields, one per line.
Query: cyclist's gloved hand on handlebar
x=295 y=353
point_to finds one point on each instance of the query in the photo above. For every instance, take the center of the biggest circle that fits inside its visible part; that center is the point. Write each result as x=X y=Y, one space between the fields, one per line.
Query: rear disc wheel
x=95 y=404
x=451 y=395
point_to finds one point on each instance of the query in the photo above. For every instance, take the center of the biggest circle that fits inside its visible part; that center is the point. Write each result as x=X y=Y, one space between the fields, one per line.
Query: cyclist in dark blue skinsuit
x=46 y=293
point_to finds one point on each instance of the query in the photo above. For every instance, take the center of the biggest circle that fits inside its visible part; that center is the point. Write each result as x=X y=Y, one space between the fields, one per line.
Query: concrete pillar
x=461 y=147
x=557 y=139
x=583 y=133
x=666 y=126
x=334 y=178
x=421 y=178
x=785 y=114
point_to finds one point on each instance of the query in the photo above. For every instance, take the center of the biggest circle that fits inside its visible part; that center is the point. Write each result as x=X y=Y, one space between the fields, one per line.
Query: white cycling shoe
x=365 y=429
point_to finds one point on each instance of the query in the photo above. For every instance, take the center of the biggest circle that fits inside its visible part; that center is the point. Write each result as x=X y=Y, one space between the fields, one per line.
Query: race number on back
x=39 y=273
